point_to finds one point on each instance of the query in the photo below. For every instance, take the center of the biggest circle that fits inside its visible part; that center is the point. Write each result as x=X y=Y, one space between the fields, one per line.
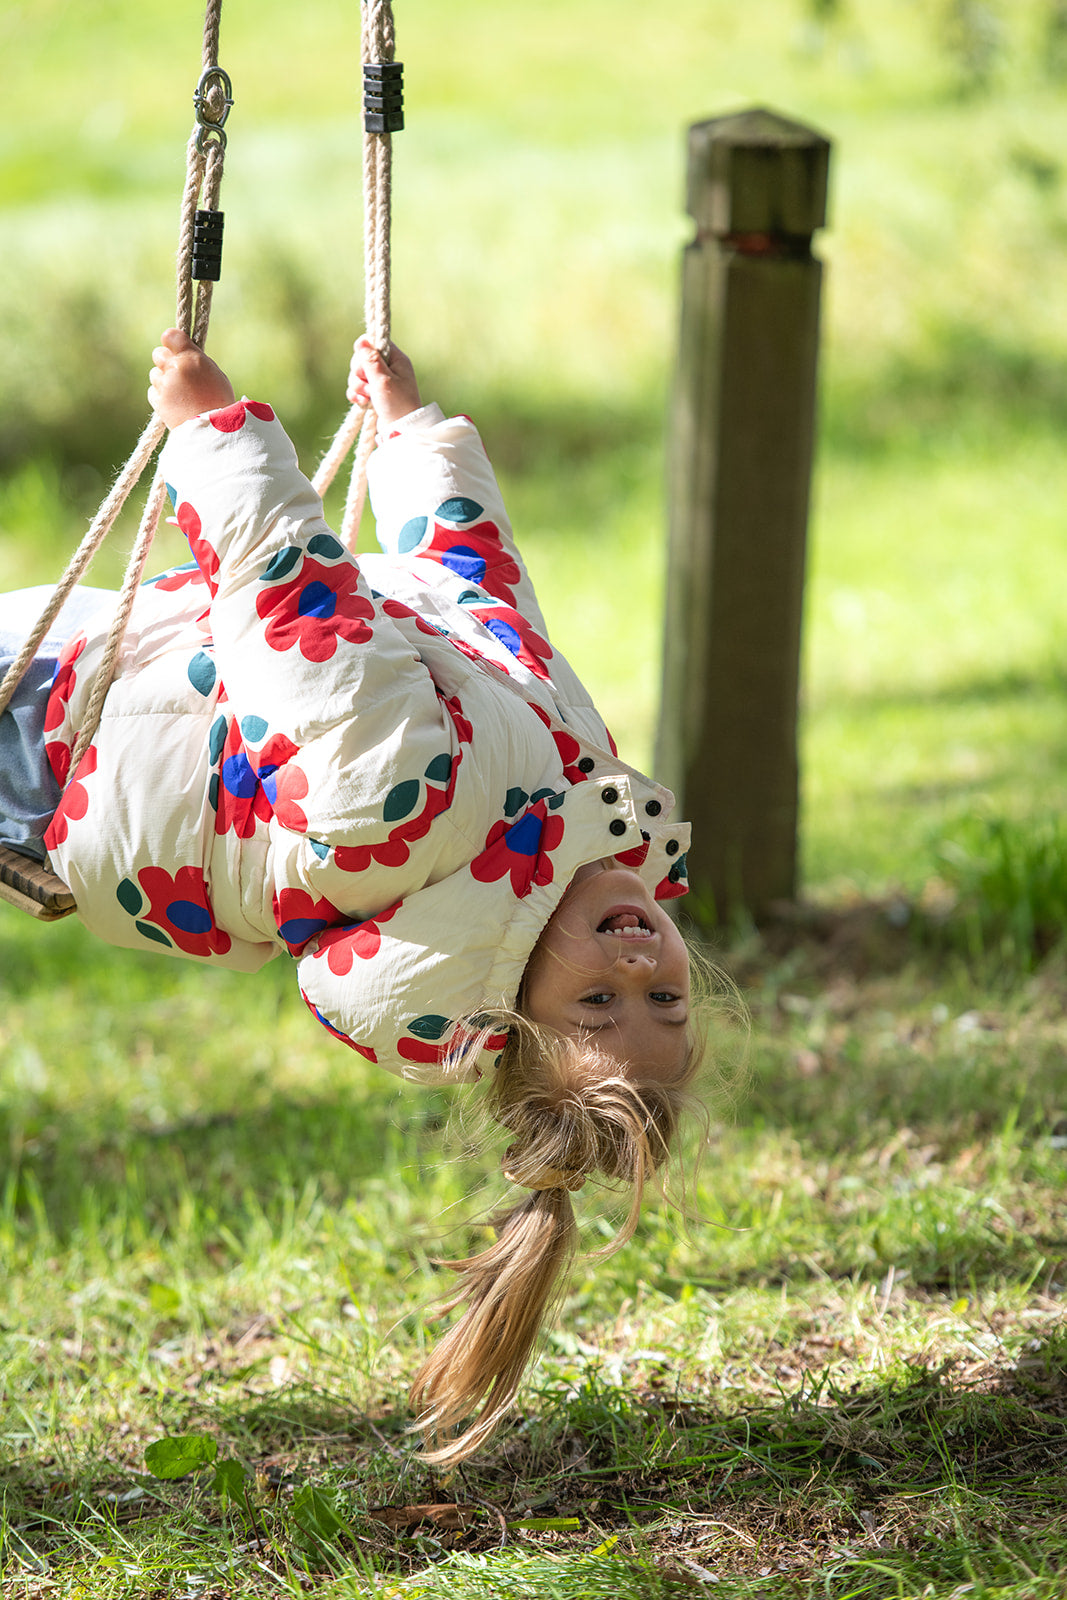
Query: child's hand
x=391 y=389
x=184 y=381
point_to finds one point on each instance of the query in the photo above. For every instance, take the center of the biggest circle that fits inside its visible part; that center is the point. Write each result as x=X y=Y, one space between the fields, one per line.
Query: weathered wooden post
x=744 y=426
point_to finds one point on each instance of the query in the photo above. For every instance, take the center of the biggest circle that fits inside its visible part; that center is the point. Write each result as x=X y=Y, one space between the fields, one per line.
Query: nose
x=635 y=962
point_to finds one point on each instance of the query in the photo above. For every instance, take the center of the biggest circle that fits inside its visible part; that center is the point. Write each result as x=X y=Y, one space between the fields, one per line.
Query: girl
x=383 y=767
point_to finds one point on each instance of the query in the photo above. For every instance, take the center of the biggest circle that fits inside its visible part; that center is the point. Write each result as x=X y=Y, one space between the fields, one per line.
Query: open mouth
x=625 y=923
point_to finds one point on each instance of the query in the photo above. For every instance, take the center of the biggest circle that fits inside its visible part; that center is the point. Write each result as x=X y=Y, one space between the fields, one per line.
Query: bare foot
x=184 y=381
x=390 y=388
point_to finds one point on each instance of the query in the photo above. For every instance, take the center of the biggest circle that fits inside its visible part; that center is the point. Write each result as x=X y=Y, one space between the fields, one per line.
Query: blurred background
x=539 y=221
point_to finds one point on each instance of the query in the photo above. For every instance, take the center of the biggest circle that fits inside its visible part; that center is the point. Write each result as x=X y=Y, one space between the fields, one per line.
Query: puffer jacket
x=379 y=766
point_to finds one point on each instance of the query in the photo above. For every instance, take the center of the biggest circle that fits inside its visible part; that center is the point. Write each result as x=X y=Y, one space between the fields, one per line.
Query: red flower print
x=569 y=753
x=675 y=883
x=314 y=609
x=231 y=419
x=398 y=610
x=474 y=654
x=522 y=848
x=300 y=917
x=357 y=940
x=274 y=754
x=75 y=801
x=362 y=1049
x=63 y=686
x=464 y=728
x=179 y=906
x=203 y=554
x=391 y=852
x=440 y=782
x=473 y=553
x=564 y=743
x=515 y=633
x=421 y=1050
x=237 y=791
x=177 y=577
x=636 y=857
x=283 y=789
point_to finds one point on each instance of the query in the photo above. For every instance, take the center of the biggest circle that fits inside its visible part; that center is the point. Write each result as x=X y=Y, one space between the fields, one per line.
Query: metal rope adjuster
x=383 y=96
x=211 y=127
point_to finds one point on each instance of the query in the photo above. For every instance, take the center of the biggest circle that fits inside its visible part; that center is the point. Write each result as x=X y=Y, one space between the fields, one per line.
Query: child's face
x=611 y=964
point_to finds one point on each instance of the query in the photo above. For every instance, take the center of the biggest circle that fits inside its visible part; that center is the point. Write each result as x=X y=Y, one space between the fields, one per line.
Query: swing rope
x=204 y=163
x=378 y=50
x=36 y=889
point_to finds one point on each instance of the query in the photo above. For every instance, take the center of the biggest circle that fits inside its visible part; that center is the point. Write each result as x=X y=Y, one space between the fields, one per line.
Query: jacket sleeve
x=394 y=987
x=331 y=710
x=435 y=497
x=398 y=987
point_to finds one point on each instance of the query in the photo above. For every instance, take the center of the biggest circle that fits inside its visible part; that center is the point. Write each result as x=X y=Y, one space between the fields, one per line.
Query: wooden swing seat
x=32 y=887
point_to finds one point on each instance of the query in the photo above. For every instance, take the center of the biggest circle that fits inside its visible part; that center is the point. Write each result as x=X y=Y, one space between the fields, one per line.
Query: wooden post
x=744 y=425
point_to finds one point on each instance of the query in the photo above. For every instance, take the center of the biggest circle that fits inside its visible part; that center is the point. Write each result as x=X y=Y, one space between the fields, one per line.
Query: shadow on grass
x=966 y=383
x=245 y=1169
x=995 y=690
x=931 y=1473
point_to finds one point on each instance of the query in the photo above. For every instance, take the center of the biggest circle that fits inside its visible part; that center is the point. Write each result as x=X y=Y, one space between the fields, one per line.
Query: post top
x=757 y=172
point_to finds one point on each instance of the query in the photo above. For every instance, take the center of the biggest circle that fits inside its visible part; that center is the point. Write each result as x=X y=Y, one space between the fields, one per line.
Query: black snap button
x=586 y=764
x=618 y=827
x=609 y=796
x=672 y=847
x=653 y=808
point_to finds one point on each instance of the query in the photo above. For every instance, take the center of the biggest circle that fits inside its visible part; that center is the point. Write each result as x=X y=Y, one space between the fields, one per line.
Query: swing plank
x=33 y=887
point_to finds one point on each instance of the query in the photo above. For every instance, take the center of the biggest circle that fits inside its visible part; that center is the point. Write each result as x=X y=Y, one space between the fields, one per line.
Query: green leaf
x=176 y=1457
x=229 y=1480
x=547 y=1524
x=316 y=1513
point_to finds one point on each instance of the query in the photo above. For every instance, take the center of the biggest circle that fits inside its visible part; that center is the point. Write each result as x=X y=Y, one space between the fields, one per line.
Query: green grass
x=538 y=222
x=845 y=1375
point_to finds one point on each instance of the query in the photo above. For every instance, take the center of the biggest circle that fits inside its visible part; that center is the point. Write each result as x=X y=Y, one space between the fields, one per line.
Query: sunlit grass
x=844 y=1376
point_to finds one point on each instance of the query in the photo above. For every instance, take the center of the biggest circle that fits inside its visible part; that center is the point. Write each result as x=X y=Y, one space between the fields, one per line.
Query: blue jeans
x=29 y=793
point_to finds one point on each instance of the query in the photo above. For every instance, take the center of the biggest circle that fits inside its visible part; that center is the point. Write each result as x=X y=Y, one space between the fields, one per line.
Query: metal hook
x=213 y=77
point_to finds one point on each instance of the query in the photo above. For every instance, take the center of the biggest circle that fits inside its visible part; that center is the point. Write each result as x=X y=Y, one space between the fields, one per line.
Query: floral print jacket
x=380 y=766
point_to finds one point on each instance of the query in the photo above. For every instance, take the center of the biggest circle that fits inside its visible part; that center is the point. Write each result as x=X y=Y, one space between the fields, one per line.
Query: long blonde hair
x=571 y=1112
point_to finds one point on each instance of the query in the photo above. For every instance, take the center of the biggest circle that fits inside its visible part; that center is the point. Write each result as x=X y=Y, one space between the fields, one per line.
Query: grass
x=846 y=1375
x=848 y=1379
x=537 y=228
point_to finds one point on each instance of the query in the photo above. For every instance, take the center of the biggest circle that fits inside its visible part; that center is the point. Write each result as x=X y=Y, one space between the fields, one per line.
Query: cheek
x=534 y=986
x=677 y=958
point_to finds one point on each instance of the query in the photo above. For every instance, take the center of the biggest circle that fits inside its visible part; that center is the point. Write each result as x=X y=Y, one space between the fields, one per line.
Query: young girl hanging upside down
x=383 y=767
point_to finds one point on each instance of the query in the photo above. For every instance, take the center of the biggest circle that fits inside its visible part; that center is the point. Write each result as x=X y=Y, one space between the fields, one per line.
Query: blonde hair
x=571 y=1111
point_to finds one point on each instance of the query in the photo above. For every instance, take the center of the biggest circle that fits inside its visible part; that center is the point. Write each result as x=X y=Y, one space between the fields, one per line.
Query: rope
x=378 y=44
x=204 y=163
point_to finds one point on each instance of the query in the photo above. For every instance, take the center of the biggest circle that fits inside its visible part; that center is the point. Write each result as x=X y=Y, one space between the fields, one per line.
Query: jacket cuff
x=427 y=416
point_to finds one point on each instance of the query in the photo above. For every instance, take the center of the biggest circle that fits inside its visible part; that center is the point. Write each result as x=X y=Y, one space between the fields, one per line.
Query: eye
x=663 y=997
x=599 y=999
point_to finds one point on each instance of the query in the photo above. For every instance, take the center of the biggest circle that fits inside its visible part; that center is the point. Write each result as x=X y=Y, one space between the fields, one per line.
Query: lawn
x=835 y=1366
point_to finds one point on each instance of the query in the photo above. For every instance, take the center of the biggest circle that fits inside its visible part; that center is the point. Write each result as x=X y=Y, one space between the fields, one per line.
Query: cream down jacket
x=380 y=767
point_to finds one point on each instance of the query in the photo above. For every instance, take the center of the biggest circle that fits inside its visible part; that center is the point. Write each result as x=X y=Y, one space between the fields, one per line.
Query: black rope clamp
x=383 y=96
x=207 y=246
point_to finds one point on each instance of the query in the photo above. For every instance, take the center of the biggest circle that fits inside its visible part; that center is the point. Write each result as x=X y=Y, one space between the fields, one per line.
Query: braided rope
x=203 y=177
x=378 y=44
